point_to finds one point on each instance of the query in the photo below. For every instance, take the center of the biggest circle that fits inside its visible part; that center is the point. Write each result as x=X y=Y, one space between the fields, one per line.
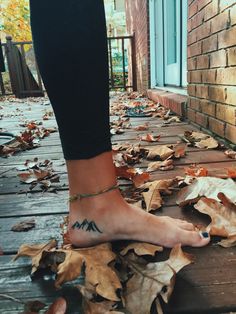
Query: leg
x=71 y=49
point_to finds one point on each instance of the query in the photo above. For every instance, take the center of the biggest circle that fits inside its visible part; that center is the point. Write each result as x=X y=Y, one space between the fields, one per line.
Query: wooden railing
x=17 y=62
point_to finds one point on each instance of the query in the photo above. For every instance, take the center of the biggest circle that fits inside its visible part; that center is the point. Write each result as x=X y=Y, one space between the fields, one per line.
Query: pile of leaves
x=115 y=280
x=26 y=140
x=36 y=173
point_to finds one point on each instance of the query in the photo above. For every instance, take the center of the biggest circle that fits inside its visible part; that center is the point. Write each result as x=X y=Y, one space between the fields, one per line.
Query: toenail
x=204 y=234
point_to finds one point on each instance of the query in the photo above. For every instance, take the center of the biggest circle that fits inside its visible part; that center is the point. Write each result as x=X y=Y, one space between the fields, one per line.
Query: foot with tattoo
x=107 y=217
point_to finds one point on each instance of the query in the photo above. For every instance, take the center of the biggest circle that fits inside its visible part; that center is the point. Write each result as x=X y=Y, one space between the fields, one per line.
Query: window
x=168 y=36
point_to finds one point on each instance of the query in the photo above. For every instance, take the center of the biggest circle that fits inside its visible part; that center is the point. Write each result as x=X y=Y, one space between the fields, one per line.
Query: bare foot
x=108 y=217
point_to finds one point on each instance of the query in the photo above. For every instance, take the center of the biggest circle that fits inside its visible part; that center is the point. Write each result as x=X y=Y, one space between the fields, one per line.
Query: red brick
x=203 y=62
x=231 y=95
x=209 y=44
x=227 y=38
x=192 y=63
x=204 y=30
x=230 y=133
x=192 y=9
x=233 y=15
x=209 y=76
x=202 y=91
x=226 y=113
x=208 y=107
x=232 y=56
x=217 y=93
x=226 y=76
x=217 y=126
x=195 y=77
x=191 y=90
x=211 y=10
x=218 y=59
x=197 y=19
x=203 y=3
x=191 y=114
x=201 y=119
x=192 y=37
x=194 y=103
x=224 y=4
x=195 y=49
x=220 y=22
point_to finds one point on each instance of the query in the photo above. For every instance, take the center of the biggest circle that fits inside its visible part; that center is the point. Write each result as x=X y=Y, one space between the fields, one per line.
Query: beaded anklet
x=81 y=196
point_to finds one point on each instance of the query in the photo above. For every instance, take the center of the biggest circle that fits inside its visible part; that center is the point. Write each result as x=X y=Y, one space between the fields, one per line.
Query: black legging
x=71 y=49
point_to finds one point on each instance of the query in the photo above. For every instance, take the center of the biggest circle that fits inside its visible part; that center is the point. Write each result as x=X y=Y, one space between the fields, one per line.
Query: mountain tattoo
x=86 y=225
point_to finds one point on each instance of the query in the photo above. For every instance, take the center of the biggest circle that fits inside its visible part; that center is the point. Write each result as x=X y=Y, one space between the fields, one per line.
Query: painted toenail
x=204 y=234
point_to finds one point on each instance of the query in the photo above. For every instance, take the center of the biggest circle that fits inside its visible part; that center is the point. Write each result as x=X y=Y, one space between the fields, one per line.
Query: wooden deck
x=207 y=286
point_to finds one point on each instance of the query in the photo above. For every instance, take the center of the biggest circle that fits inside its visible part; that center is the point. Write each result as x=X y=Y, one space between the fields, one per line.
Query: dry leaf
x=159 y=152
x=161 y=165
x=25 y=225
x=136 y=175
x=208 y=187
x=149 y=280
x=104 y=307
x=223 y=219
x=180 y=150
x=142 y=127
x=142 y=249
x=58 y=307
x=32 y=307
x=230 y=153
x=35 y=252
x=150 y=138
x=231 y=173
x=152 y=197
x=208 y=143
x=196 y=171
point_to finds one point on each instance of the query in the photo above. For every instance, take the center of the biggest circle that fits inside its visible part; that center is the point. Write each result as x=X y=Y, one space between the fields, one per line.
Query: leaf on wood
x=209 y=187
x=141 y=249
x=208 y=143
x=180 y=150
x=150 y=138
x=174 y=119
x=136 y=175
x=149 y=281
x=223 y=217
x=230 y=153
x=35 y=252
x=161 y=165
x=231 y=173
x=159 y=152
x=58 y=307
x=196 y=171
x=142 y=127
x=104 y=307
x=25 y=225
x=152 y=197
x=33 y=175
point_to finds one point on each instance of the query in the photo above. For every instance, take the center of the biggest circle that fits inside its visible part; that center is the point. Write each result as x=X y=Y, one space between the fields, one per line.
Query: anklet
x=80 y=196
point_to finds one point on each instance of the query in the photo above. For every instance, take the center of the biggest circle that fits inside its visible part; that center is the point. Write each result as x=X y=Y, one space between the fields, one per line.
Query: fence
x=19 y=74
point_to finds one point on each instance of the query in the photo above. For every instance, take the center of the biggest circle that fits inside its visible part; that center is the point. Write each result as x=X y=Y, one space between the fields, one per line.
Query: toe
x=195 y=238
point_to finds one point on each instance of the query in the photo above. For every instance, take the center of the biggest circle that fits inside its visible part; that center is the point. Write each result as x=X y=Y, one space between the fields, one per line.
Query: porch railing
x=19 y=73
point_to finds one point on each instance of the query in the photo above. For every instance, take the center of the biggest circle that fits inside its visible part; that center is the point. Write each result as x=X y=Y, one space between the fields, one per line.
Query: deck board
x=207 y=286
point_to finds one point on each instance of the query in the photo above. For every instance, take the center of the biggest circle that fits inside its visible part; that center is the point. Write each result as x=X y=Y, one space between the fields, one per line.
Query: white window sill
x=176 y=90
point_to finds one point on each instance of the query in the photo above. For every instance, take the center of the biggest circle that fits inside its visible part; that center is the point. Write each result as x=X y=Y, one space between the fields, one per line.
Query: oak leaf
x=35 y=252
x=150 y=138
x=165 y=165
x=149 y=281
x=152 y=197
x=159 y=152
x=141 y=249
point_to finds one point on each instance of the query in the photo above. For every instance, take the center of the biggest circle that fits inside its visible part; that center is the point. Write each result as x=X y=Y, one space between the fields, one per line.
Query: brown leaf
x=223 y=219
x=142 y=127
x=142 y=249
x=97 y=272
x=159 y=152
x=25 y=225
x=208 y=143
x=208 y=187
x=180 y=150
x=103 y=307
x=35 y=252
x=136 y=175
x=231 y=172
x=152 y=197
x=149 y=280
x=33 y=175
x=150 y=138
x=196 y=171
x=201 y=140
x=33 y=307
x=161 y=165
x=230 y=153
x=58 y=307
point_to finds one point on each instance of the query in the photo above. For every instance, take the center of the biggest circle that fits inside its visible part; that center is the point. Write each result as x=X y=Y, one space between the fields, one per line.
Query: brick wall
x=138 y=23
x=212 y=66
